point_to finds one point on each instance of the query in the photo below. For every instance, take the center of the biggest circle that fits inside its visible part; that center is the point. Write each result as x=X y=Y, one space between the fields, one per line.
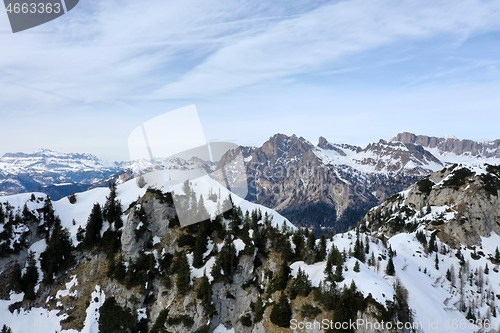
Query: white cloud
x=88 y=78
x=329 y=33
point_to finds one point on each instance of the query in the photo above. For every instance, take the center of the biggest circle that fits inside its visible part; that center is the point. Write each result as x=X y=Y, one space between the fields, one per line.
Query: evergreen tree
x=298 y=241
x=497 y=255
x=301 y=285
x=226 y=261
x=322 y=248
x=330 y=260
x=6 y=329
x=48 y=213
x=404 y=313
x=359 y=252
x=2 y=215
x=58 y=255
x=283 y=276
x=112 y=211
x=200 y=244
x=183 y=279
x=281 y=313
x=432 y=243
x=16 y=278
x=259 y=310
x=346 y=310
x=339 y=270
x=390 y=270
x=311 y=241
x=94 y=226
x=356 y=267
x=470 y=315
x=115 y=319
x=30 y=278
x=436 y=262
x=204 y=294
x=421 y=237
x=486 y=269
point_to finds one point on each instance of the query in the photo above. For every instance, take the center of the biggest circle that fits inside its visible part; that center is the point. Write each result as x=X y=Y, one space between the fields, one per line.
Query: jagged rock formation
x=490 y=149
x=461 y=203
x=330 y=186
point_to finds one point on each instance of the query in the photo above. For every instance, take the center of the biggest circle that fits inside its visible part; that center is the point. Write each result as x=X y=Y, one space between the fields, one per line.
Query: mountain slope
x=258 y=268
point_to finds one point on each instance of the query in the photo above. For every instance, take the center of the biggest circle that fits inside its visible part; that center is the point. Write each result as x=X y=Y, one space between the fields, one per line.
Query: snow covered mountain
x=332 y=185
x=425 y=260
x=57 y=174
x=328 y=185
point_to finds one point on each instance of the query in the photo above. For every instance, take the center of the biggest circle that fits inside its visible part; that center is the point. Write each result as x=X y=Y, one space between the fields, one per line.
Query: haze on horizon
x=352 y=71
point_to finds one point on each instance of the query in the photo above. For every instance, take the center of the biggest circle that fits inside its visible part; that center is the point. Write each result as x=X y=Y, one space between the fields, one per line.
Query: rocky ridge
x=460 y=203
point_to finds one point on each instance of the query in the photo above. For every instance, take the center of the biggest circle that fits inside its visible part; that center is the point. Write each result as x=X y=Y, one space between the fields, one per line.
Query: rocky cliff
x=461 y=203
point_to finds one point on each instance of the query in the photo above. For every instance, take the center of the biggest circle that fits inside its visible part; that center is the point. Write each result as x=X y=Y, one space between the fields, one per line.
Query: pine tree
x=311 y=241
x=281 y=313
x=298 y=241
x=16 y=278
x=486 y=269
x=227 y=261
x=6 y=329
x=283 y=276
x=115 y=319
x=356 y=267
x=322 y=248
x=359 y=252
x=183 y=279
x=301 y=285
x=94 y=226
x=30 y=278
x=350 y=302
x=48 y=213
x=470 y=315
x=259 y=310
x=200 y=244
x=2 y=215
x=58 y=255
x=432 y=243
x=390 y=270
x=436 y=262
x=339 y=270
x=448 y=275
x=204 y=294
x=497 y=255
x=329 y=266
x=404 y=313
x=112 y=211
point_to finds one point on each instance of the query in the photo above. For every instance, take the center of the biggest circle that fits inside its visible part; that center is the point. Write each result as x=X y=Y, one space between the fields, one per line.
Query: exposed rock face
x=462 y=203
x=395 y=156
x=147 y=219
x=308 y=185
x=452 y=145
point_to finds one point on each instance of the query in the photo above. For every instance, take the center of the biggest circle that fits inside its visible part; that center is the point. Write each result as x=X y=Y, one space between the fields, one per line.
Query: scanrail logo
x=171 y=153
x=26 y=14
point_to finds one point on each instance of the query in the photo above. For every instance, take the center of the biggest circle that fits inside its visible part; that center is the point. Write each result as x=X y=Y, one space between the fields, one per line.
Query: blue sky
x=352 y=71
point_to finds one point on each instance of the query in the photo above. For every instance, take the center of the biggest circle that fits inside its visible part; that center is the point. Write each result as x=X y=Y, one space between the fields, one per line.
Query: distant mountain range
x=57 y=174
x=327 y=185
x=332 y=185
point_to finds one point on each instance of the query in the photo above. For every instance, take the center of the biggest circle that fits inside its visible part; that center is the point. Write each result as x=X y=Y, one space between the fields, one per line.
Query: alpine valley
x=414 y=247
